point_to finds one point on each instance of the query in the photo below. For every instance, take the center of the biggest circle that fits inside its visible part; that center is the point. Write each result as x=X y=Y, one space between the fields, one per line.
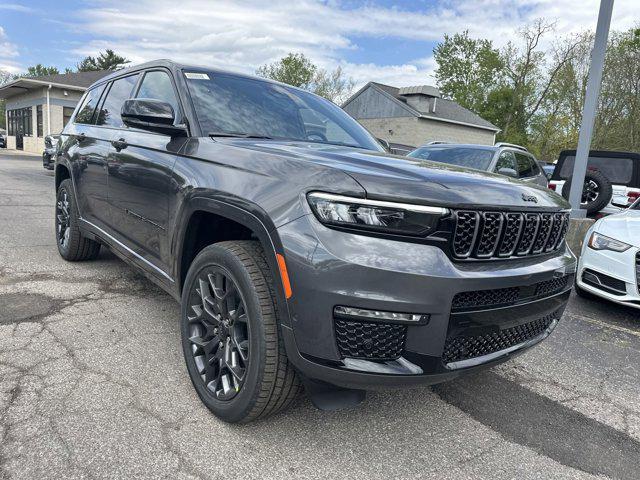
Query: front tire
x=72 y=245
x=230 y=334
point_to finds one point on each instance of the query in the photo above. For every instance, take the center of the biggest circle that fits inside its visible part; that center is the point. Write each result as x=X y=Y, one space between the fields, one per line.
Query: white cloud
x=8 y=54
x=242 y=36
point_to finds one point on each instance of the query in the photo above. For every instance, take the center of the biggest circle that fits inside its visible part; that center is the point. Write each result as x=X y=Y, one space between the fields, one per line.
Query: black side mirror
x=508 y=172
x=152 y=115
x=384 y=144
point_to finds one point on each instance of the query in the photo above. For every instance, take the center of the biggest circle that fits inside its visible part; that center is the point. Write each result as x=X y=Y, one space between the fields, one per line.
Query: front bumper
x=330 y=268
x=597 y=267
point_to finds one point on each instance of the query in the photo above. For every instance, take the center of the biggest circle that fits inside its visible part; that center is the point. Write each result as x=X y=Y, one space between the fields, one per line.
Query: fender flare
x=252 y=217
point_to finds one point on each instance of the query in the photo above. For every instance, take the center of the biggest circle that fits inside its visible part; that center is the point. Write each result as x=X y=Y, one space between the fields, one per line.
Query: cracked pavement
x=93 y=385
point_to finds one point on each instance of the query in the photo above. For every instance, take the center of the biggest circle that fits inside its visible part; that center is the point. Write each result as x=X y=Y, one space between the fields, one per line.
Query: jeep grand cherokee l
x=301 y=252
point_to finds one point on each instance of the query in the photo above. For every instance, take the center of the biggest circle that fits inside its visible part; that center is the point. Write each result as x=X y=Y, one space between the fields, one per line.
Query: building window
x=66 y=115
x=20 y=121
x=39 y=120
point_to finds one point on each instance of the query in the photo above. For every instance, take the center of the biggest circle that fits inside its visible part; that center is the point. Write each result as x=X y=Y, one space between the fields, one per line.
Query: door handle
x=119 y=144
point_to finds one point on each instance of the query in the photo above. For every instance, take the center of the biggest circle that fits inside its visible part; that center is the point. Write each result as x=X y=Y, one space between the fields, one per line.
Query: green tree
x=107 y=60
x=39 y=70
x=468 y=69
x=297 y=70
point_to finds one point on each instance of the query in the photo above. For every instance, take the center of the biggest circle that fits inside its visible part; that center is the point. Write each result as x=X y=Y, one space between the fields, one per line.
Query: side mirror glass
x=384 y=144
x=152 y=115
x=508 y=172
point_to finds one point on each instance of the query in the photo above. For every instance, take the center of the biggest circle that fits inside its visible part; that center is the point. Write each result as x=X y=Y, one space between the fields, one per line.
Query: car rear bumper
x=510 y=309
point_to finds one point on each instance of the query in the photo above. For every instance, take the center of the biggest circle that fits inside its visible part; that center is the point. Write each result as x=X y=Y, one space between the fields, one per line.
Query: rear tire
x=596 y=193
x=229 y=312
x=72 y=245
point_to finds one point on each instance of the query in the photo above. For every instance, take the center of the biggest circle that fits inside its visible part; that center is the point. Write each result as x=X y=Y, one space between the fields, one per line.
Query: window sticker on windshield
x=196 y=76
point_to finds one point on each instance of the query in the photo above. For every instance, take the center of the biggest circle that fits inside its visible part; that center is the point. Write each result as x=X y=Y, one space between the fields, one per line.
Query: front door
x=140 y=179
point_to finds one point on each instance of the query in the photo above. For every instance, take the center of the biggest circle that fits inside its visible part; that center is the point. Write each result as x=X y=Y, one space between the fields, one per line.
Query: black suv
x=301 y=252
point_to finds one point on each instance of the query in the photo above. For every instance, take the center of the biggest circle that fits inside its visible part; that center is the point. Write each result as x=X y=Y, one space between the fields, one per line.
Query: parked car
x=504 y=158
x=3 y=138
x=612 y=182
x=303 y=258
x=50 y=147
x=609 y=266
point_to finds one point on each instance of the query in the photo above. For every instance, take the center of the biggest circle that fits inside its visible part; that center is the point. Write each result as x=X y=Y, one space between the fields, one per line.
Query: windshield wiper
x=239 y=135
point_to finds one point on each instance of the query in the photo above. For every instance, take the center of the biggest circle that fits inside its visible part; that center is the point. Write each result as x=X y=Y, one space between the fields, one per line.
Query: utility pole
x=590 y=105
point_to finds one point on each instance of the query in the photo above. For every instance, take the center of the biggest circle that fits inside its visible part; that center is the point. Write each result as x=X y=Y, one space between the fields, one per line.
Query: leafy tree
x=467 y=69
x=294 y=69
x=108 y=60
x=39 y=70
x=297 y=70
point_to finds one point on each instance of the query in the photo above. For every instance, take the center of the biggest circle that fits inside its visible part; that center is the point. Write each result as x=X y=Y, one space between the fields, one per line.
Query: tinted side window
x=88 y=106
x=157 y=85
x=527 y=166
x=109 y=113
x=506 y=160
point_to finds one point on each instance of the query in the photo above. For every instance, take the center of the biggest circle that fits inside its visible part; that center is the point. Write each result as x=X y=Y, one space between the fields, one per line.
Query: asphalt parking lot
x=93 y=385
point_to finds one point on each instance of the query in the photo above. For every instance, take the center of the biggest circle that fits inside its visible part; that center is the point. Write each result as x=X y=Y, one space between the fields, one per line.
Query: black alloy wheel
x=219 y=332
x=231 y=341
x=63 y=219
x=590 y=192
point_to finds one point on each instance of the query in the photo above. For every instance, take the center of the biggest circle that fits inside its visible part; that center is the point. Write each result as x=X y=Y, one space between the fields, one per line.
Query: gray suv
x=302 y=254
x=503 y=158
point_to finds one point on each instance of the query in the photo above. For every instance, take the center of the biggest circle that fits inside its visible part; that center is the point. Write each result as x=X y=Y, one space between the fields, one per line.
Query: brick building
x=416 y=115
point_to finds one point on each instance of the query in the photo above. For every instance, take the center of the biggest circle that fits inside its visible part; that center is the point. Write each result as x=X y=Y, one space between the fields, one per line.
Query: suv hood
x=411 y=180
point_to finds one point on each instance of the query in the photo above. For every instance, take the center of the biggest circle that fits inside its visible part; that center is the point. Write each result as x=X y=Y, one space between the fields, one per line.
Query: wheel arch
x=246 y=222
x=62 y=172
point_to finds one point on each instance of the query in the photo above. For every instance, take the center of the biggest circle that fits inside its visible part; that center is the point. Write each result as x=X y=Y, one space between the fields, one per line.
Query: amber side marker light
x=284 y=275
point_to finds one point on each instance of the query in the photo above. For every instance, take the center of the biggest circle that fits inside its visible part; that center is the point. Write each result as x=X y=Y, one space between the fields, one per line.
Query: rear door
x=529 y=170
x=88 y=159
x=140 y=177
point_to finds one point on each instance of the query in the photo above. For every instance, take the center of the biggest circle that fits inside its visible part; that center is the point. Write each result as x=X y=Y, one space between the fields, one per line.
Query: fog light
x=381 y=316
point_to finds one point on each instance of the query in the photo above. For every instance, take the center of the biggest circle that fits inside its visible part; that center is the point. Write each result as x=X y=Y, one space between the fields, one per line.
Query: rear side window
x=617 y=170
x=506 y=160
x=157 y=85
x=88 y=106
x=527 y=166
x=121 y=89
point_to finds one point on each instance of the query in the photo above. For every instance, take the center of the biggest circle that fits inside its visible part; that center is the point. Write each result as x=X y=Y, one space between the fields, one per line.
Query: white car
x=609 y=266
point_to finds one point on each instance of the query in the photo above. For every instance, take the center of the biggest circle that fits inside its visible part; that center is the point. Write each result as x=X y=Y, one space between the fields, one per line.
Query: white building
x=41 y=106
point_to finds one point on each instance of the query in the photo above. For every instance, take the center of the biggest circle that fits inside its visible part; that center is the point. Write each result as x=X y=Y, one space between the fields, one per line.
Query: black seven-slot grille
x=372 y=341
x=484 y=235
x=465 y=347
x=507 y=296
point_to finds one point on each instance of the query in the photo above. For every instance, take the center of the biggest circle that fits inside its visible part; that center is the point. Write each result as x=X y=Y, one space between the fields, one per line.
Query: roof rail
x=512 y=145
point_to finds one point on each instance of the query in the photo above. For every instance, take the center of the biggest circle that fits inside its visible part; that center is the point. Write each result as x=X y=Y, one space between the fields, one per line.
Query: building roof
x=446 y=110
x=69 y=81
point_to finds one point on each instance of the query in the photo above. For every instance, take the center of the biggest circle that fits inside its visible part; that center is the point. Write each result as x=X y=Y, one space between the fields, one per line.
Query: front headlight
x=598 y=241
x=374 y=215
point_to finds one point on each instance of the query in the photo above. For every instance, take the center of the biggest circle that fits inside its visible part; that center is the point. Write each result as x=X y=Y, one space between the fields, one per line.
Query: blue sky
x=372 y=40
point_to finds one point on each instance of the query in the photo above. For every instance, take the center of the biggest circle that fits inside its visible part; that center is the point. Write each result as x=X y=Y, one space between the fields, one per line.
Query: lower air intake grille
x=466 y=347
x=552 y=286
x=372 y=341
x=507 y=296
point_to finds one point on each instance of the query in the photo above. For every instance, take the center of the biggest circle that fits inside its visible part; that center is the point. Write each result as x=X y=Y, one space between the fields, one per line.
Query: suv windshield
x=235 y=106
x=477 y=158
